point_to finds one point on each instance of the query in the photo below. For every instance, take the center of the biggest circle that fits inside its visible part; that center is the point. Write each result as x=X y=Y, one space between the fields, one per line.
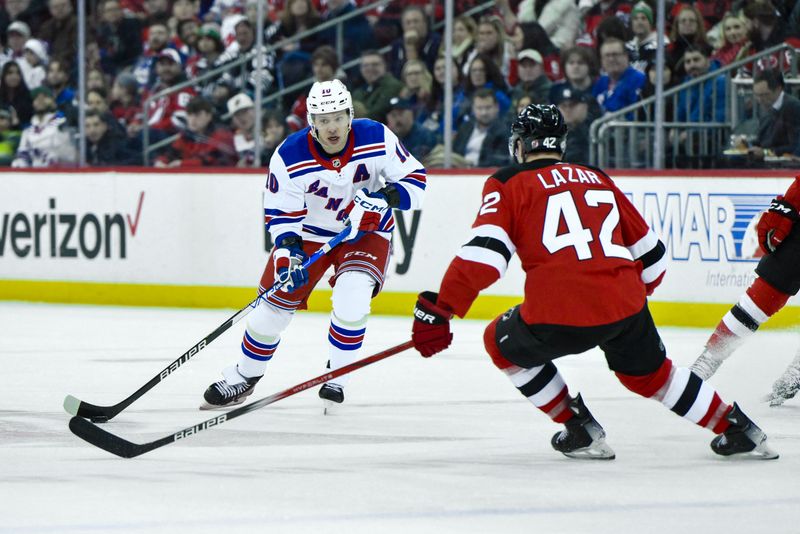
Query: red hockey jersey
x=588 y=255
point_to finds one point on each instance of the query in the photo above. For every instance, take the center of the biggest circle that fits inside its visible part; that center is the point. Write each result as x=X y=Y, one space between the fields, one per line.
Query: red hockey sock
x=542 y=385
x=684 y=393
x=760 y=302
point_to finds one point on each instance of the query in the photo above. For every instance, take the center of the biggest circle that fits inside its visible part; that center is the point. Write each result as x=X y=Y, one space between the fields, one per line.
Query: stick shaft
x=81 y=408
x=114 y=444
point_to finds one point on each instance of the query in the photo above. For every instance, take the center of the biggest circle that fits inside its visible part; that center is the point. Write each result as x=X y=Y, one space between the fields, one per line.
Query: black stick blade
x=98 y=414
x=98 y=437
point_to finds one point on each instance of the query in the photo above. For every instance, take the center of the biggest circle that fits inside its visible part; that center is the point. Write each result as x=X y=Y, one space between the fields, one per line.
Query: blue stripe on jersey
x=283 y=220
x=367 y=132
x=405 y=198
x=295 y=148
x=316 y=230
x=305 y=171
x=414 y=181
x=368 y=155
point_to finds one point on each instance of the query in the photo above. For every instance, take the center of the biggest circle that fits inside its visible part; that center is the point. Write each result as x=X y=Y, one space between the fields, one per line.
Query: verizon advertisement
x=207 y=230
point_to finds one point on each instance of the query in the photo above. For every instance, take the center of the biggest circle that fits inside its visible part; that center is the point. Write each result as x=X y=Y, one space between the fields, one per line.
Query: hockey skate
x=706 y=365
x=743 y=438
x=232 y=390
x=583 y=437
x=332 y=395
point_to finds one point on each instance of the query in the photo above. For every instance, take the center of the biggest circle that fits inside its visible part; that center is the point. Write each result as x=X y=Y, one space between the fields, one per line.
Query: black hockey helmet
x=541 y=128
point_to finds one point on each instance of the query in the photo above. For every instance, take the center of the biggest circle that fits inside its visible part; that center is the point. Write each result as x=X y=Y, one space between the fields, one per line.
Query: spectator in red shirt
x=735 y=39
x=168 y=113
x=202 y=144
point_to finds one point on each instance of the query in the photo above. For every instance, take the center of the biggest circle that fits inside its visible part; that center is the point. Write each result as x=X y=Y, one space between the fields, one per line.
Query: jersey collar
x=336 y=162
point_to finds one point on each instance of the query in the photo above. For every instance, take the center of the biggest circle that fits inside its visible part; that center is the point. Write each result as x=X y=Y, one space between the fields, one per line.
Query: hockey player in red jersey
x=778 y=280
x=590 y=261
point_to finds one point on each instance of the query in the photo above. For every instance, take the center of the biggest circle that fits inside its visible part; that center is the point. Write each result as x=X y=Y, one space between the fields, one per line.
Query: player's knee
x=352 y=295
x=649 y=384
x=492 y=349
x=268 y=320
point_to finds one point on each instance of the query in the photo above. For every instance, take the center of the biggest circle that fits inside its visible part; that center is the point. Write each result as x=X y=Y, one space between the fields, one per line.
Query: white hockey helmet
x=328 y=97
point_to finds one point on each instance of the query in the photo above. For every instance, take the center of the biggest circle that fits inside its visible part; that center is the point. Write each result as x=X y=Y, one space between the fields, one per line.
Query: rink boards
x=188 y=239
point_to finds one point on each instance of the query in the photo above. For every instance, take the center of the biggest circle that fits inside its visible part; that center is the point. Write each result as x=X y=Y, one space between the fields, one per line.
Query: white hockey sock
x=352 y=295
x=261 y=338
x=345 y=339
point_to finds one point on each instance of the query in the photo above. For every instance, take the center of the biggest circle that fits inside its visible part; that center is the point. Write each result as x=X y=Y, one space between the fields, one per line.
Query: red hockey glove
x=288 y=258
x=775 y=224
x=431 y=330
x=365 y=213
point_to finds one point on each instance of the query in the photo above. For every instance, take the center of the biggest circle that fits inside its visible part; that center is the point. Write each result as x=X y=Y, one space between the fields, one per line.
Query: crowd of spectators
x=589 y=57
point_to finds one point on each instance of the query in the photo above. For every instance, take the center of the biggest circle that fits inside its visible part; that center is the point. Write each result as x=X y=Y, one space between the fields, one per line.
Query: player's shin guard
x=351 y=306
x=684 y=393
x=542 y=385
x=758 y=304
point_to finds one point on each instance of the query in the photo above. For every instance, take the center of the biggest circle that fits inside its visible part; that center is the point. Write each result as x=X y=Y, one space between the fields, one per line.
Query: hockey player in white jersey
x=320 y=178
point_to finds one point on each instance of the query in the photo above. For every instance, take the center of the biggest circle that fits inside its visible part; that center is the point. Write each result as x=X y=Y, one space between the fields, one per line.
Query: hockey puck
x=99 y=419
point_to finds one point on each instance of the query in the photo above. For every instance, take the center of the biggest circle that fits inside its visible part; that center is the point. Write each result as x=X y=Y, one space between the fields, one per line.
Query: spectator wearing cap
x=61 y=31
x=118 y=37
x=243 y=77
x=400 y=120
x=202 y=143
x=242 y=112
x=17 y=35
x=561 y=19
x=15 y=95
x=209 y=48
x=579 y=65
x=642 y=48
x=46 y=142
x=105 y=146
x=324 y=67
x=379 y=86
x=57 y=79
x=9 y=137
x=167 y=114
x=532 y=79
x=144 y=68
x=418 y=41
x=483 y=141
x=579 y=110
x=33 y=63
x=357 y=33
x=621 y=85
x=126 y=106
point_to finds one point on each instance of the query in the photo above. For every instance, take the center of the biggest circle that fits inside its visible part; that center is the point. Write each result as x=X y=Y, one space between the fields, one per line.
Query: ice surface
x=438 y=445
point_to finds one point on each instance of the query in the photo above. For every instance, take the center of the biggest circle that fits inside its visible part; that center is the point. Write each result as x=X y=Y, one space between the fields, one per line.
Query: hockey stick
x=77 y=407
x=90 y=432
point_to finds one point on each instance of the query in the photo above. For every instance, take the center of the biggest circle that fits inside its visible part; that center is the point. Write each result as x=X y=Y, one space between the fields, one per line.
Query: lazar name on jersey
x=308 y=191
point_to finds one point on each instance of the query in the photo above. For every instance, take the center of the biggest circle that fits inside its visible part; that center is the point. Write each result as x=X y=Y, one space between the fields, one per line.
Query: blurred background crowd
x=172 y=82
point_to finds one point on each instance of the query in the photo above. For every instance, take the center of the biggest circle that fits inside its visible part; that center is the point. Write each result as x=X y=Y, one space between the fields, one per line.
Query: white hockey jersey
x=47 y=142
x=307 y=192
